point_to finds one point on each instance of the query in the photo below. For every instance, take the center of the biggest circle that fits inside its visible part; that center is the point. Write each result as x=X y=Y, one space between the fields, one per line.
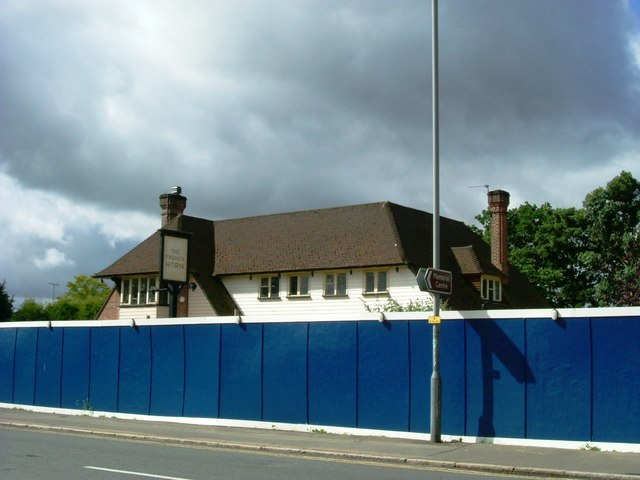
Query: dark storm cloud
x=259 y=107
x=340 y=87
x=537 y=91
x=310 y=84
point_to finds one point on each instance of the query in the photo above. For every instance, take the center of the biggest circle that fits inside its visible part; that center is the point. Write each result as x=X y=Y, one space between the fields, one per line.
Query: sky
x=259 y=107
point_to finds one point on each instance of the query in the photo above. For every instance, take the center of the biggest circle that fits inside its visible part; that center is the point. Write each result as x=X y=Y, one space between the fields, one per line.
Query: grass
x=85 y=405
x=590 y=448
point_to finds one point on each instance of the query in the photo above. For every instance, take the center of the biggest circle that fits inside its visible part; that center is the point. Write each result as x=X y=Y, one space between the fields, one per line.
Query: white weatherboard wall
x=402 y=288
x=144 y=312
x=199 y=305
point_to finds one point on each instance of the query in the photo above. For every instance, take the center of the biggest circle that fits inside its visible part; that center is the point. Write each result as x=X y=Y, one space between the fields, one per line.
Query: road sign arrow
x=434 y=280
x=421 y=279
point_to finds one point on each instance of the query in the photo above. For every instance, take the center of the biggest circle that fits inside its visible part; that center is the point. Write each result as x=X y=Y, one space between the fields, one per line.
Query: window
x=124 y=294
x=153 y=293
x=335 y=284
x=375 y=282
x=298 y=286
x=135 y=294
x=139 y=291
x=269 y=287
x=491 y=289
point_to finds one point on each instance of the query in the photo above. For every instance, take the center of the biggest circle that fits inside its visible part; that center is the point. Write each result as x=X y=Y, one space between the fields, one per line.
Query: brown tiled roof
x=467 y=260
x=201 y=254
x=343 y=237
x=369 y=235
x=143 y=259
x=415 y=228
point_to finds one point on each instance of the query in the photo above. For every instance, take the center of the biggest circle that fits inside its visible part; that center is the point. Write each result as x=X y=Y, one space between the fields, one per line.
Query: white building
x=334 y=260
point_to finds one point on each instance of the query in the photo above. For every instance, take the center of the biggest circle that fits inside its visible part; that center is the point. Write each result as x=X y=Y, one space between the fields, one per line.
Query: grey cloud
x=258 y=107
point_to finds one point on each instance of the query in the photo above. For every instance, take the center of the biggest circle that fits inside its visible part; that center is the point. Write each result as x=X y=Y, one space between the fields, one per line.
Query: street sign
x=174 y=256
x=434 y=280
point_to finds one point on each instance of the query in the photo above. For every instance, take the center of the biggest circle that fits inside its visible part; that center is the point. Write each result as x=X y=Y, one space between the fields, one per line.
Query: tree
x=63 y=309
x=580 y=257
x=544 y=244
x=30 y=310
x=612 y=258
x=83 y=299
x=6 y=303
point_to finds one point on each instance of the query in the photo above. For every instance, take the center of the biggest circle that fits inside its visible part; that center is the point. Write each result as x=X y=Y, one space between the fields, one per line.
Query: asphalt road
x=34 y=455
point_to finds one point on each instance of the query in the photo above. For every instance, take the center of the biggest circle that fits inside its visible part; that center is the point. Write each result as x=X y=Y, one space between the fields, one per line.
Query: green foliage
x=392 y=305
x=85 y=405
x=590 y=448
x=84 y=287
x=580 y=257
x=31 y=310
x=484 y=219
x=64 y=309
x=613 y=257
x=83 y=300
x=546 y=246
x=6 y=303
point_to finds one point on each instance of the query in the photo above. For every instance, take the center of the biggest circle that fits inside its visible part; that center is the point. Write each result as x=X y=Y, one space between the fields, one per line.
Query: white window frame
x=138 y=291
x=301 y=279
x=272 y=286
x=491 y=288
x=333 y=279
x=376 y=275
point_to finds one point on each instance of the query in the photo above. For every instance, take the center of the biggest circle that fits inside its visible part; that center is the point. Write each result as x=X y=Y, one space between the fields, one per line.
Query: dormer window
x=491 y=288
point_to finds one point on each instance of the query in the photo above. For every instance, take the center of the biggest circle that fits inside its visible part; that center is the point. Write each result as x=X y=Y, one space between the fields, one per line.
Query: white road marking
x=139 y=474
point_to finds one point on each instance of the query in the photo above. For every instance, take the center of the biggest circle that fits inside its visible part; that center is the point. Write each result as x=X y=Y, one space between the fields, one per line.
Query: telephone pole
x=53 y=293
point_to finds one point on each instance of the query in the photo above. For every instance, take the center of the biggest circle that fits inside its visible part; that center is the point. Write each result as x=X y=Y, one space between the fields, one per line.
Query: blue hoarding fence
x=518 y=375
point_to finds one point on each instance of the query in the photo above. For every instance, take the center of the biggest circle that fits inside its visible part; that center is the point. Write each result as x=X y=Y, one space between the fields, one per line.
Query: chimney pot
x=498 y=204
x=172 y=205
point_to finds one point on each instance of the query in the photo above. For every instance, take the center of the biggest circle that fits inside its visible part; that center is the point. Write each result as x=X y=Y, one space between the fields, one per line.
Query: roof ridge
x=389 y=206
x=308 y=210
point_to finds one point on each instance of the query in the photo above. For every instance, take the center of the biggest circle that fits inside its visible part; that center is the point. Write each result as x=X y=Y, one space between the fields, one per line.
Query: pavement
x=468 y=457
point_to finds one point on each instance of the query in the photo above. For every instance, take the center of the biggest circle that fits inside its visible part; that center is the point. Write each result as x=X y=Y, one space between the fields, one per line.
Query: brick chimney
x=498 y=203
x=172 y=204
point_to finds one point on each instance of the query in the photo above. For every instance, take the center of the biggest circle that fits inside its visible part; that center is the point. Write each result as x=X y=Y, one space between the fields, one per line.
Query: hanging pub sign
x=174 y=256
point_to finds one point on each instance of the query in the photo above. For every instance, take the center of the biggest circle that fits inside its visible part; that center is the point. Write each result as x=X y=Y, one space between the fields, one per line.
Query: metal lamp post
x=436 y=381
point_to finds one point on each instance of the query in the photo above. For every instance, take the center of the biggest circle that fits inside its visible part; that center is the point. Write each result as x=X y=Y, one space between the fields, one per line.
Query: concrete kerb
x=328 y=454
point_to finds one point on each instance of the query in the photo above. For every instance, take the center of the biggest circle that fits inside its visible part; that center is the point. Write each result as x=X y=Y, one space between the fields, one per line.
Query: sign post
x=435 y=280
x=174 y=264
